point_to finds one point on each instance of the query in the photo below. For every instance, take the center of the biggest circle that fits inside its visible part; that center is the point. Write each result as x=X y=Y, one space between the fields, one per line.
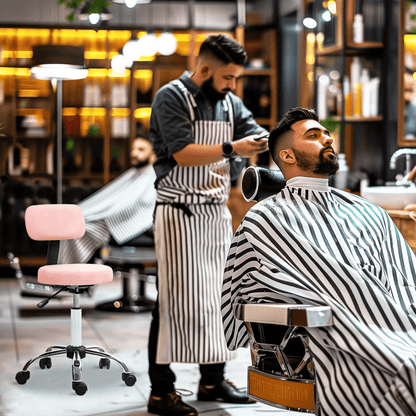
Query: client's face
x=312 y=147
x=141 y=152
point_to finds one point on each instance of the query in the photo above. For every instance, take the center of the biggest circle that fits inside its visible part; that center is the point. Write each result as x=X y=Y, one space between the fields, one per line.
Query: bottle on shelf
x=347 y=97
x=366 y=93
x=322 y=105
x=374 y=92
x=358 y=29
x=356 y=85
x=341 y=177
x=358 y=24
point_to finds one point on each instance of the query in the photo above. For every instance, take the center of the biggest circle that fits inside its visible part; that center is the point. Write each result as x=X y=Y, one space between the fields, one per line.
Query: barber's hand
x=249 y=146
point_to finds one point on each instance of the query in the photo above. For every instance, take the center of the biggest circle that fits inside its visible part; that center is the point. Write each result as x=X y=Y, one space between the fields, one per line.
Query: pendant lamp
x=166 y=42
x=60 y=63
x=131 y=3
x=131 y=49
x=93 y=16
x=118 y=63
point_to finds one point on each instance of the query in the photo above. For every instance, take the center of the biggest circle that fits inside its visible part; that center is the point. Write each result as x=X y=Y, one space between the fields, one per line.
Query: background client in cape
x=122 y=209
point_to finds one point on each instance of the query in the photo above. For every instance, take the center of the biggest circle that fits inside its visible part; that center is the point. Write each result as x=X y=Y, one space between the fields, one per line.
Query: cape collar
x=315 y=184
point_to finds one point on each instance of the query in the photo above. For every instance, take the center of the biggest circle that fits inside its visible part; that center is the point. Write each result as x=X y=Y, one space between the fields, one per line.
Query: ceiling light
x=131 y=49
x=310 y=23
x=148 y=45
x=118 y=63
x=130 y=3
x=94 y=13
x=166 y=43
x=326 y=16
x=94 y=18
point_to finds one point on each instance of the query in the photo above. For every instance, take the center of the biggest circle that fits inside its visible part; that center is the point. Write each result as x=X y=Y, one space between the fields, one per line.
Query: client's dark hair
x=291 y=117
x=224 y=48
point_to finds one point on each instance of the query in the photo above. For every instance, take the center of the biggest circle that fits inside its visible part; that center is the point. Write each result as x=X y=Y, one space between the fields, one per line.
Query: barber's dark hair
x=291 y=117
x=224 y=48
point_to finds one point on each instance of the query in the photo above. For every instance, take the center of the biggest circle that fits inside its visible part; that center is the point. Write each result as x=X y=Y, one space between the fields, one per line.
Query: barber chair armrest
x=284 y=314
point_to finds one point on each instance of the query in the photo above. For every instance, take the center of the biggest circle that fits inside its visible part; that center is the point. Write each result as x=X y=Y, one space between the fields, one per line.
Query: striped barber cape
x=312 y=244
x=122 y=209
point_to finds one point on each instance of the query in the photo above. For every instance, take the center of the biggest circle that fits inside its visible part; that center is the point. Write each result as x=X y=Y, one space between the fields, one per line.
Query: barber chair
x=135 y=262
x=282 y=373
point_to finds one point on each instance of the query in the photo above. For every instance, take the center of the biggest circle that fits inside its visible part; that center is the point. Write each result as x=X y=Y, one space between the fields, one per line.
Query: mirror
x=407 y=74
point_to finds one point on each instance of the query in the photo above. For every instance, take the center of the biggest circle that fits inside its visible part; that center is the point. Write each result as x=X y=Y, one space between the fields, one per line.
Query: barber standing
x=200 y=131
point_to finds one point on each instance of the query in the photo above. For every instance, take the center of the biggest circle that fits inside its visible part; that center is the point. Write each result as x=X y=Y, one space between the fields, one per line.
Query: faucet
x=398 y=154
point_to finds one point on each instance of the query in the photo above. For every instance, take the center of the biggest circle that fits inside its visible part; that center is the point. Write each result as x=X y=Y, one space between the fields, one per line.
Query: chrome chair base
x=76 y=354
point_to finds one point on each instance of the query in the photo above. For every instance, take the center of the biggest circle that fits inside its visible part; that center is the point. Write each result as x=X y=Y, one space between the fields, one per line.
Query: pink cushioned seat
x=54 y=222
x=75 y=274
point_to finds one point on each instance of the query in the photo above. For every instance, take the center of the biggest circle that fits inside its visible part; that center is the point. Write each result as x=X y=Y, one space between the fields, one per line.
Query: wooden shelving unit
x=336 y=55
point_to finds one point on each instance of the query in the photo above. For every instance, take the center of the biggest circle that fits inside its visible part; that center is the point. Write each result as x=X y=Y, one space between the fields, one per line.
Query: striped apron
x=193 y=233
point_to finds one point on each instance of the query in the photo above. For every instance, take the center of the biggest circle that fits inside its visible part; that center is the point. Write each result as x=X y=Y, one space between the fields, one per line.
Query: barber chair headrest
x=260 y=183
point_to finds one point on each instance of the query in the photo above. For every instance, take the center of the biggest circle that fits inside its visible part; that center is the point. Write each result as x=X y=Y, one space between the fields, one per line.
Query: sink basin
x=390 y=197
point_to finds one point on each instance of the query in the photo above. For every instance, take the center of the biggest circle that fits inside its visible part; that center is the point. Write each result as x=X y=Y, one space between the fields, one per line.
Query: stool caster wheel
x=104 y=362
x=22 y=376
x=80 y=387
x=129 y=379
x=45 y=363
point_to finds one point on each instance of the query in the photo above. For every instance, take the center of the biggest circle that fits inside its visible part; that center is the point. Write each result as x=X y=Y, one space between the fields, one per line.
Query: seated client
x=122 y=209
x=313 y=244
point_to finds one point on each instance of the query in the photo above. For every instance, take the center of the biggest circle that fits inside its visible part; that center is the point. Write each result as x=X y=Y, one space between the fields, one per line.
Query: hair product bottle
x=347 y=97
x=366 y=93
x=358 y=24
x=356 y=85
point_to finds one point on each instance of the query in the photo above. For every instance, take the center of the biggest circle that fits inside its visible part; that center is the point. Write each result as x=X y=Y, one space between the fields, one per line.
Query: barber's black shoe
x=170 y=405
x=224 y=391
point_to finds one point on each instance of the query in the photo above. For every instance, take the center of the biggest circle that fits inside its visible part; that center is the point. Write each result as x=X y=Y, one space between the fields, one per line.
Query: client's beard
x=211 y=93
x=141 y=164
x=324 y=166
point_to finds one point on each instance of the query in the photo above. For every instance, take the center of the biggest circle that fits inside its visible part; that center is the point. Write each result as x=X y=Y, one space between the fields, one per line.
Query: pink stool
x=63 y=222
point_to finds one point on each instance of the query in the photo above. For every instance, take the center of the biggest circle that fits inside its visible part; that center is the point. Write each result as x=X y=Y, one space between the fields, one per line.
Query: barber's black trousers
x=162 y=378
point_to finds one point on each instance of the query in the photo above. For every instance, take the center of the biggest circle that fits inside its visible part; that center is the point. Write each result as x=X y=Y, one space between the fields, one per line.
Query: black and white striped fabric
x=191 y=248
x=195 y=249
x=122 y=209
x=201 y=184
x=313 y=244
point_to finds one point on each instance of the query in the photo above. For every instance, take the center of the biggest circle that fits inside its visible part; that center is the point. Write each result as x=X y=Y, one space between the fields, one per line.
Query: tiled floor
x=26 y=331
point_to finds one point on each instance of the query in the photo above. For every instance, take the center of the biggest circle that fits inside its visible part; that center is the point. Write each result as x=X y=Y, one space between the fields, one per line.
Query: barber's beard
x=322 y=166
x=211 y=93
x=140 y=164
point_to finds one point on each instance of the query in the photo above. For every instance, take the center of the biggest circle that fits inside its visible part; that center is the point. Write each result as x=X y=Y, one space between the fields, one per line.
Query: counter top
x=394 y=213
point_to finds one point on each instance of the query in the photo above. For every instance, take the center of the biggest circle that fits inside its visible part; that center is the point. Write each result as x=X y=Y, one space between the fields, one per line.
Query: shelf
x=252 y=72
x=29 y=137
x=351 y=48
x=359 y=119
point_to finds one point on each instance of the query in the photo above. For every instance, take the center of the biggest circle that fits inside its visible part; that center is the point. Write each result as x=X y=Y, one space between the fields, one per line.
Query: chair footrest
x=277 y=391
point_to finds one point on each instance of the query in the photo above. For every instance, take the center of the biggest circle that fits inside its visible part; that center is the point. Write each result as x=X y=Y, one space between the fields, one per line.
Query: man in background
x=122 y=209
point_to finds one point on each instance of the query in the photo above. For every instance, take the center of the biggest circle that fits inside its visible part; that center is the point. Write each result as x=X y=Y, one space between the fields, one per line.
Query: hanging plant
x=95 y=6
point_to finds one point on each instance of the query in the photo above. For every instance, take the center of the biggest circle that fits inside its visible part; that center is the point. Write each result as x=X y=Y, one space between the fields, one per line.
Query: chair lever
x=46 y=301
